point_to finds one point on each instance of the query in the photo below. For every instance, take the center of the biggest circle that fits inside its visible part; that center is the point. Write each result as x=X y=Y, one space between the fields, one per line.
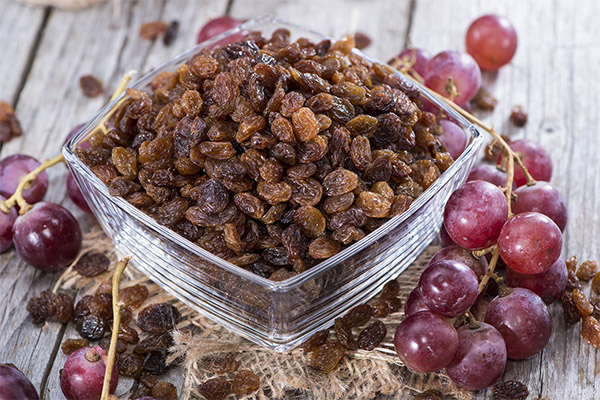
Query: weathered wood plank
x=552 y=76
x=92 y=41
x=20 y=26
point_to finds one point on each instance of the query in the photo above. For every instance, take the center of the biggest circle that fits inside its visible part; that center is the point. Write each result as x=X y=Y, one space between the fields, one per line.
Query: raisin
x=572 y=281
x=584 y=307
x=211 y=197
x=281 y=275
x=91 y=264
x=596 y=283
x=91 y=86
x=311 y=220
x=339 y=182
x=323 y=247
x=155 y=362
x=70 y=345
x=485 y=100
x=344 y=334
x=9 y=124
x=372 y=336
x=587 y=270
x=381 y=309
x=38 y=310
x=430 y=394
x=164 y=391
x=316 y=340
x=348 y=234
x=400 y=205
x=358 y=315
x=361 y=40
x=150 y=30
x=518 y=116
x=353 y=216
x=394 y=304
x=105 y=344
x=293 y=240
x=327 y=356
x=91 y=327
x=215 y=389
x=130 y=365
x=350 y=91
x=335 y=204
x=306 y=192
x=219 y=363
x=571 y=263
x=305 y=124
x=569 y=308
x=128 y=334
x=158 y=318
x=172 y=211
x=390 y=290
x=510 y=390
x=171 y=33
x=374 y=205
x=274 y=193
x=245 y=382
x=63 y=308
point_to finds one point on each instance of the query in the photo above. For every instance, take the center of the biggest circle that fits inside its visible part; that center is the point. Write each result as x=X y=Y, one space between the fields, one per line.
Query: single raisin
x=431 y=394
x=91 y=264
x=63 y=308
x=70 y=345
x=569 y=308
x=105 y=344
x=316 y=340
x=158 y=318
x=344 y=334
x=155 y=362
x=91 y=86
x=372 y=336
x=9 y=124
x=374 y=205
x=518 y=116
x=510 y=390
x=171 y=33
x=584 y=307
x=358 y=315
x=327 y=356
x=571 y=263
x=219 y=363
x=381 y=309
x=91 y=327
x=130 y=365
x=164 y=391
x=485 y=100
x=323 y=247
x=339 y=182
x=245 y=382
x=587 y=270
x=215 y=389
x=390 y=290
x=150 y=30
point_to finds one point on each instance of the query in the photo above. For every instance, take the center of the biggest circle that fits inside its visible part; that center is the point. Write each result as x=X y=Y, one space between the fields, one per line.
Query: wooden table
x=43 y=52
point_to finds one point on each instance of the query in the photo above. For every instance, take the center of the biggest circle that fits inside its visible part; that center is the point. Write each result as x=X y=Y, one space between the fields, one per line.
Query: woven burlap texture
x=360 y=375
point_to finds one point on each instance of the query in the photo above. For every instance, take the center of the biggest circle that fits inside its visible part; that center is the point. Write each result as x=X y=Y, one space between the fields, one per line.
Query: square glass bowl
x=277 y=315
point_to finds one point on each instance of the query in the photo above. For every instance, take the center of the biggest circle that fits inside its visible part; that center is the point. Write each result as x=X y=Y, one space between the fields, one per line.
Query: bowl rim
x=323 y=266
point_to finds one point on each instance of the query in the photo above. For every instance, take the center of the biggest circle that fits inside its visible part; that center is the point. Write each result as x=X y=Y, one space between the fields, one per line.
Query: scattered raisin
x=171 y=33
x=245 y=382
x=358 y=315
x=510 y=390
x=372 y=336
x=485 y=100
x=571 y=263
x=327 y=356
x=155 y=362
x=431 y=394
x=150 y=30
x=315 y=341
x=569 y=308
x=219 y=363
x=518 y=116
x=91 y=264
x=584 y=307
x=587 y=270
x=91 y=86
x=390 y=290
x=215 y=389
x=158 y=318
x=361 y=40
x=381 y=309
x=9 y=124
x=91 y=327
x=164 y=391
x=344 y=334
x=70 y=345
x=130 y=365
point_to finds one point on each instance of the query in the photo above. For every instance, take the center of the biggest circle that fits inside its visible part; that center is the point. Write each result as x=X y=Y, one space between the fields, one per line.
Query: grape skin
x=488 y=173
x=13 y=168
x=448 y=287
x=475 y=214
x=543 y=198
x=453 y=137
x=523 y=320
x=6 y=224
x=464 y=256
x=414 y=303
x=492 y=41
x=548 y=284
x=216 y=26
x=420 y=57
x=460 y=67
x=530 y=243
x=535 y=159
x=15 y=385
x=76 y=195
x=426 y=342
x=480 y=359
x=48 y=236
x=83 y=374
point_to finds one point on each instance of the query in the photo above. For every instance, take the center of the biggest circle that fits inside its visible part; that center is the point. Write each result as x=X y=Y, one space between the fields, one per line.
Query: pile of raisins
x=326 y=354
x=271 y=154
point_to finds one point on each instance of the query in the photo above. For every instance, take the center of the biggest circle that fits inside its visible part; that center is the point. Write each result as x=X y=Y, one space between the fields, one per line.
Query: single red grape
x=445 y=239
x=549 y=284
x=83 y=374
x=475 y=214
x=530 y=243
x=426 y=342
x=14 y=385
x=492 y=41
x=457 y=66
x=535 y=159
x=217 y=26
x=47 y=236
x=417 y=58
x=464 y=256
x=13 y=168
x=6 y=224
x=76 y=195
x=543 y=198
x=454 y=138
x=523 y=320
x=448 y=287
x=480 y=359
x=414 y=303
x=488 y=173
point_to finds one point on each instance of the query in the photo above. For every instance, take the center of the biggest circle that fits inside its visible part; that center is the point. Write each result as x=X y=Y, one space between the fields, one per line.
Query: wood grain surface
x=44 y=51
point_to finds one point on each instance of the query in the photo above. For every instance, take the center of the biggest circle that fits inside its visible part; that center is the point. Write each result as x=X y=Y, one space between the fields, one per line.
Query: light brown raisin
x=70 y=345
x=150 y=30
x=315 y=341
x=584 y=308
x=327 y=356
x=245 y=382
x=323 y=247
x=91 y=86
x=587 y=270
x=305 y=124
x=358 y=315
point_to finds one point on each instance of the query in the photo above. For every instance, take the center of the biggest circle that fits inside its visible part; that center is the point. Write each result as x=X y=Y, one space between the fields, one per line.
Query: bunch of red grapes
x=527 y=237
x=517 y=323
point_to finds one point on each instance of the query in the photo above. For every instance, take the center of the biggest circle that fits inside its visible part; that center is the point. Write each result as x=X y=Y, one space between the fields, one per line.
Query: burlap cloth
x=360 y=375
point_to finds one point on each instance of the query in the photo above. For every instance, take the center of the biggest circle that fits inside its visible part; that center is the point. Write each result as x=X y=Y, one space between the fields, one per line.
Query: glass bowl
x=278 y=315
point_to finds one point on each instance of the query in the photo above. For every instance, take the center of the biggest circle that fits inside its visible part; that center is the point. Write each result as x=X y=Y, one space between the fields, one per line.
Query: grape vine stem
x=112 y=350
x=17 y=197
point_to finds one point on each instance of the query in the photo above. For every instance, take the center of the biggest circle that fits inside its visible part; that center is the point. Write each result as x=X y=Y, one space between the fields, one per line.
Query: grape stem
x=112 y=350
x=17 y=197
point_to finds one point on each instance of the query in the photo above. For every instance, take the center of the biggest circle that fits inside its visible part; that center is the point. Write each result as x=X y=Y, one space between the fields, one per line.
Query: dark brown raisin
x=154 y=343
x=361 y=40
x=63 y=308
x=381 y=309
x=9 y=124
x=130 y=365
x=155 y=362
x=372 y=336
x=394 y=304
x=215 y=389
x=485 y=100
x=518 y=116
x=344 y=334
x=171 y=33
x=70 y=345
x=91 y=86
x=358 y=315
x=315 y=341
x=38 y=310
x=327 y=356
x=587 y=270
x=339 y=182
x=219 y=363
x=91 y=264
x=158 y=318
x=431 y=394
x=91 y=327
x=128 y=334
x=105 y=344
x=390 y=290
x=245 y=382
x=569 y=308
x=572 y=281
x=510 y=390
x=164 y=391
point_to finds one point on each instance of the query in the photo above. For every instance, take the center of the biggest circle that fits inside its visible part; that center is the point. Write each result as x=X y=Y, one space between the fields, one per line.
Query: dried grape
x=510 y=390
x=70 y=345
x=91 y=264
x=327 y=356
x=587 y=270
x=150 y=30
x=372 y=336
x=158 y=318
x=344 y=334
x=215 y=388
x=245 y=382
x=358 y=315
x=164 y=391
x=91 y=86
x=315 y=341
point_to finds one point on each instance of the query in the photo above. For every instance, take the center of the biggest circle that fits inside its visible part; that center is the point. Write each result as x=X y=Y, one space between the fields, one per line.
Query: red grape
x=217 y=26
x=72 y=133
x=47 y=236
x=475 y=214
x=454 y=138
x=488 y=173
x=417 y=57
x=543 y=198
x=480 y=359
x=548 y=284
x=445 y=239
x=426 y=342
x=14 y=385
x=464 y=256
x=448 y=287
x=13 y=168
x=6 y=224
x=523 y=320
x=75 y=194
x=414 y=303
x=535 y=159
x=530 y=243
x=455 y=65
x=492 y=41
x=83 y=374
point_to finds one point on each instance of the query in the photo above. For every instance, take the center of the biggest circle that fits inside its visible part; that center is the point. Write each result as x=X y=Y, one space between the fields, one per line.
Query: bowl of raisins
x=271 y=178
